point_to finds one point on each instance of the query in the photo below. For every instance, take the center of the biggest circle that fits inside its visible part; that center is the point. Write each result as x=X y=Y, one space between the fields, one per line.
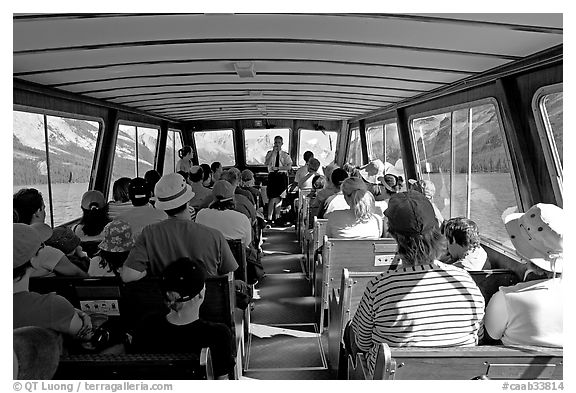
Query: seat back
x=489 y=281
x=318 y=234
x=462 y=363
x=239 y=251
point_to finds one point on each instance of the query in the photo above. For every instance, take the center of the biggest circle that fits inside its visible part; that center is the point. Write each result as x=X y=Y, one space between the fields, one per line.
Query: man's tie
x=277 y=164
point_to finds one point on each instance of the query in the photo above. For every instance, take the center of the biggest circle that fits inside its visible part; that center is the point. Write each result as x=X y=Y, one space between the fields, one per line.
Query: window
x=133 y=159
x=321 y=143
x=383 y=143
x=463 y=153
x=551 y=106
x=259 y=141
x=173 y=144
x=215 y=145
x=354 y=155
x=59 y=166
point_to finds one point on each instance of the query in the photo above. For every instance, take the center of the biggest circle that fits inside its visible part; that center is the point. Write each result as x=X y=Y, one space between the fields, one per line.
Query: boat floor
x=284 y=342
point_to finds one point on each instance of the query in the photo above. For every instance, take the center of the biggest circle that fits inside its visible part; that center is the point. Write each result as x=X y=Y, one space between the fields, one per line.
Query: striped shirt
x=435 y=305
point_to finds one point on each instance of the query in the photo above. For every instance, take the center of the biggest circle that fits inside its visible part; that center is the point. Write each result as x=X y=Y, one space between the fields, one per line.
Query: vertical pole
x=48 y=171
x=452 y=165
x=136 y=148
x=469 y=174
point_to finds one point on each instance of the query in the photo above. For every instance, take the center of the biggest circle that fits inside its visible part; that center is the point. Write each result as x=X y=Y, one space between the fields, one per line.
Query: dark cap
x=64 y=239
x=185 y=276
x=410 y=213
x=223 y=191
x=93 y=199
x=138 y=189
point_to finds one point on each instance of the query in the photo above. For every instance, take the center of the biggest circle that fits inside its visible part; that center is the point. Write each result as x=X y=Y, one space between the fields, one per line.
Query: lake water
x=492 y=193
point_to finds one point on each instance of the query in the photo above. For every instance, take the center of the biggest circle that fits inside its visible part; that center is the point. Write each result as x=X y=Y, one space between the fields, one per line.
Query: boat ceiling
x=307 y=66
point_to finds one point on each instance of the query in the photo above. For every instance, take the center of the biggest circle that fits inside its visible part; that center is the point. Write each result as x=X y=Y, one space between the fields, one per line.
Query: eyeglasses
x=393 y=180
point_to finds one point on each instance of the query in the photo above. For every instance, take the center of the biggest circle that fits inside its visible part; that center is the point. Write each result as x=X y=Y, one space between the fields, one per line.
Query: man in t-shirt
x=177 y=237
x=202 y=195
x=142 y=212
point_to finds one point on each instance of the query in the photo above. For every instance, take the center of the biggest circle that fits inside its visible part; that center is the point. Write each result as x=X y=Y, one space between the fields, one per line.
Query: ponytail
x=184 y=151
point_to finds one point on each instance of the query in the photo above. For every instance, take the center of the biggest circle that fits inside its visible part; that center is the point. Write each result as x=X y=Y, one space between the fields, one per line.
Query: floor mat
x=285 y=347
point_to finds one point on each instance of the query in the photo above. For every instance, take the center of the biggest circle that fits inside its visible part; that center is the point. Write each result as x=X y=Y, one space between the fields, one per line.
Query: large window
x=354 y=154
x=173 y=144
x=383 y=143
x=54 y=155
x=463 y=153
x=321 y=143
x=215 y=145
x=258 y=141
x=133 y=159
x=548 y=111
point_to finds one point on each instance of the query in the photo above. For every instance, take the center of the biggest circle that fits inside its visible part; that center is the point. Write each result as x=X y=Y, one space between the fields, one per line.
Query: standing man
x=279 y=163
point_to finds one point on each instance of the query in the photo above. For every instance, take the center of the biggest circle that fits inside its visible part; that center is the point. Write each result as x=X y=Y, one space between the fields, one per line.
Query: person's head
x=308 y=155
x=172 y=194
x=537 y=235
x=412 y=222
x=120 y=190
x=116 y=245
x=313 y=165
x=247 y=178
x=94 y=212
x=372 y=171
x=216 y=169
x=462 y=235
x=29 y=206
x=350 y=169
x=184 y=281
x=223 y=193
x=232 y=176
x=393 y=179
x=278 y=142
x=139 y=192
x=206 y=173
x=27 y=242
x=185 y=152
x=361 y=202
x=328 y=171
x=64 y=239
x=338 y=176
x=196 y=174
x=318 y=182
x=152 y=177
x=426 y=187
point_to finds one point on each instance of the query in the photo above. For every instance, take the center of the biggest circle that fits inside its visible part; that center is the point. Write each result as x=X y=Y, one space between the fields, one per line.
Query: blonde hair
x=360 y=200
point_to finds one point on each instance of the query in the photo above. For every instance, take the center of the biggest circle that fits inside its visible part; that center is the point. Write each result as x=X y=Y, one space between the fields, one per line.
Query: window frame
x=212 y=130
x=450 y=109
x=287 y=149
x=553 y=162
x=173 y=130
x=299 y=131
x=97 y=153
x=142 y=125
x=348 y=144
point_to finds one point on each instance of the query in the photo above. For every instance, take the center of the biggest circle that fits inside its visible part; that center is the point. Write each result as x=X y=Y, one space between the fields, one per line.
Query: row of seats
x=339 y=274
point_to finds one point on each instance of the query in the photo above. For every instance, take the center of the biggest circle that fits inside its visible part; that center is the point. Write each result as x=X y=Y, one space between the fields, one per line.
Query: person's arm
x=268 y=160
x=66 y=268
x=247 y=239
x=128 y=274
x=134 y=268
x=496 y=316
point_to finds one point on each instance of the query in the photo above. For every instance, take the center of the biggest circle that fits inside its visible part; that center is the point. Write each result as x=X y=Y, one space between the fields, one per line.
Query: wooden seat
x=362 y=255
x=461 y=363
x=317 y=241
x=136 y=366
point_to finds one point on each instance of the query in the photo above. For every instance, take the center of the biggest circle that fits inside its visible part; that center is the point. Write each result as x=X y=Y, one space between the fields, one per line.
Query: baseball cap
x=138 y=189
x=93 y=199
x=223 y=190
x=410 y=213
x=26 y=243
x=64 y=239
x=185 y=276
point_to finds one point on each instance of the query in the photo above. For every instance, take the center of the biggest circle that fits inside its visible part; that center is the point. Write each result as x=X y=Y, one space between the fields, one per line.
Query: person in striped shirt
x=424 y=303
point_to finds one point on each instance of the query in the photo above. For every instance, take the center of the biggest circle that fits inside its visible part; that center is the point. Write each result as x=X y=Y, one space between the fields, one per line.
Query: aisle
x=284 y=342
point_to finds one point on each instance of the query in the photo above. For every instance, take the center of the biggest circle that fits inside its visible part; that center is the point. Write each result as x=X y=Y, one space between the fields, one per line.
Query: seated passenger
x=65 y=240
x=530 y=313
x=234 y=176
x=31 y=210
x=121 y=198
x=247 y=183
x=33 y=309
x=330 y=187
x=305 y=182
x=464 y=249
x=372 y=173
x=324 y=197
x=182 y=330
x=94 y=217
x=177 y=237
x=318 y=183
x=360 y=220
x=207 y=176
x=202 y=195
x=243 y=204
x=303 y=170
x=428 y=188
x=114 y=249
x=37 y=352
x=217 y=169
x=222 y=216
x=151 y=178
x=191 y=209
x=142 y=212
x=419 y=304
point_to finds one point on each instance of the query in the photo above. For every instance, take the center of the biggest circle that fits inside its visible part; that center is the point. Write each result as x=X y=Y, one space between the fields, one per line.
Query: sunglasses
x=393 y=180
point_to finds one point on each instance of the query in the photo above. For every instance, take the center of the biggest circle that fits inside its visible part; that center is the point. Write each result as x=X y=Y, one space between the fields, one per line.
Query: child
x=114 y=249
x=65 y=240
x=464 y=249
